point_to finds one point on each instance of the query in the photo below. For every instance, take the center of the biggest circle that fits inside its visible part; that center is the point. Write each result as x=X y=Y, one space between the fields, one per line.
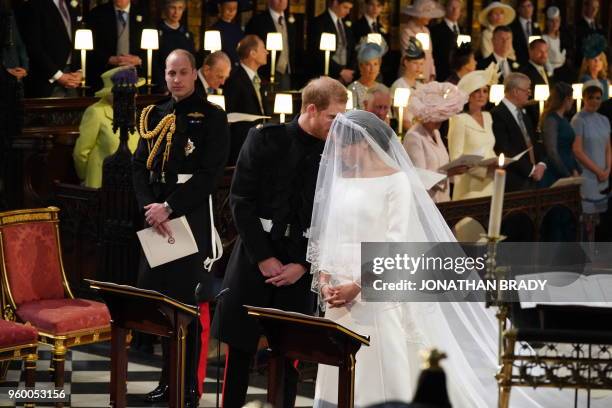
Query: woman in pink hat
x=419 y=15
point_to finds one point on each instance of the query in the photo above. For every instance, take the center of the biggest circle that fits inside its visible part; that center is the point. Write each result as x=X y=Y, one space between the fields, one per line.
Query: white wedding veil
x=362 y=148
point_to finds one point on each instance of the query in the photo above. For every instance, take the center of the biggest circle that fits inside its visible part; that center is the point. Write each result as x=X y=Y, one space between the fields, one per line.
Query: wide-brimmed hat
x=509 y=13
x=436 y=101
x=478 y=79
x=424 y=8
x=107 y=81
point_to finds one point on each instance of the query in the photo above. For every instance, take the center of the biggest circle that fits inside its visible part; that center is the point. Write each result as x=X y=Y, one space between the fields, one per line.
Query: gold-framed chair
x=35 y=288
x=19 y=342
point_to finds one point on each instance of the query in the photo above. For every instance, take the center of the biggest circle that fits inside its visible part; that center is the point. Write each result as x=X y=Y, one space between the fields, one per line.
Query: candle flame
x=501 y=160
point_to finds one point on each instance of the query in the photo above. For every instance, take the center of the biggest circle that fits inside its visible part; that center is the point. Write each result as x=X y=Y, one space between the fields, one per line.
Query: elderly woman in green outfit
x=96 y=139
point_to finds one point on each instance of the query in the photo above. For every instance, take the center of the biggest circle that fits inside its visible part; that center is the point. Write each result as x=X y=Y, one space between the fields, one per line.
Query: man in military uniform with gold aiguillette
x=181 y=155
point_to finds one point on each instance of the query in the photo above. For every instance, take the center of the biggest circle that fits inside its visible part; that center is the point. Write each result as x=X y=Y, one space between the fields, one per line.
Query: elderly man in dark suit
x=213 y=73
x=243 y=91
x=274 y=19
x=343 y=61
x=534 y=69
x=117 y=28
x=523 y=27
x=271 y=199
x=48 y=27
x=444 y=37
x=502 y=45
x=514 y=132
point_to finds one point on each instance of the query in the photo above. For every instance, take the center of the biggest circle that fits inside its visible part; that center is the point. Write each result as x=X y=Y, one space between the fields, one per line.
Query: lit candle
x=497 y=200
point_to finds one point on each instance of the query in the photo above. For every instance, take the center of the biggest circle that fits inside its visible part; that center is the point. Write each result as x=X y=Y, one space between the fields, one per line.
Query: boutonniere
x=291 y=19
x=79 y=19
x=536 y=25
x=139 y=18
x=189 y=147
x=160 y=32
x=515 y=65
x=74 y=3
x=382 y=30
x=187 y=35
x=348 y=23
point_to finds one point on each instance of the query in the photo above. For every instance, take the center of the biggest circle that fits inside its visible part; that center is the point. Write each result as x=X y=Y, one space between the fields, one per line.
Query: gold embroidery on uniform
x=195 y=115
x=164 y=129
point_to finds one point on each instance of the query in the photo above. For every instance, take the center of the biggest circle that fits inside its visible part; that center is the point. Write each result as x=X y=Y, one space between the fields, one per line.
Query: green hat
x=108 y=81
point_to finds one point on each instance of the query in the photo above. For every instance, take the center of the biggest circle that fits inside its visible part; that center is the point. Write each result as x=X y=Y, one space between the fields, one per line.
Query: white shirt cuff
x=55 y=77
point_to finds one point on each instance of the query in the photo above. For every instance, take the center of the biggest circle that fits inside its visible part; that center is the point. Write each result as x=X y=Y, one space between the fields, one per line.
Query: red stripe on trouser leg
x=205 y=334
x=224 y=376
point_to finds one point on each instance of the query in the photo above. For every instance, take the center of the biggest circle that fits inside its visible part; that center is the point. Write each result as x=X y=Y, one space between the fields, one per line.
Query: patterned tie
x=282 y=63
x=121 y=18
x=257 y=85
x=521 y=122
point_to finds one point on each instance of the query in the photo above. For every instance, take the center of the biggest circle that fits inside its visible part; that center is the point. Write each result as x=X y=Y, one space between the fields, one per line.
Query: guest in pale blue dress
x=592 y=149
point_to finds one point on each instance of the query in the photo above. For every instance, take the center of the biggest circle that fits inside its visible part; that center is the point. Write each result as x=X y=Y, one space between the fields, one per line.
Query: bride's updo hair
x=378 y=130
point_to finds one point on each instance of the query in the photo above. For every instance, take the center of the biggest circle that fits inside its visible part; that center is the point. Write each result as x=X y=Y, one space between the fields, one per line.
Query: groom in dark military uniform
x=271 y=200
x=180 y=157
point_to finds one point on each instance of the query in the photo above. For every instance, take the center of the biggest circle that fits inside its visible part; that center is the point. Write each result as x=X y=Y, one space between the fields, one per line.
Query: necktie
x=210 y=91
x=341 y=34
x=257 y=85
x=282 y=63
x=543 y=74
x=66 y=17
x=528 y=29
x=374 y=27
x=521 y=122
x=121 y=18
x=503 y=66
x=455 y=29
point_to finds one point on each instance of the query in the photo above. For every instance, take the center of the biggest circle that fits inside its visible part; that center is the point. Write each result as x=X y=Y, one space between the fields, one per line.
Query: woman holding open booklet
x=431 y=104
x=471 y=132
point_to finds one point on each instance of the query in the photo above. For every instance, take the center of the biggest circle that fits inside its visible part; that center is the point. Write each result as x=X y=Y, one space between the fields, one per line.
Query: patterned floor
x=88 y=378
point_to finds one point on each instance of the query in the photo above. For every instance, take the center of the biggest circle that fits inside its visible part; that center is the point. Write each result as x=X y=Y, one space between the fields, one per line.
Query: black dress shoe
x=159 y=394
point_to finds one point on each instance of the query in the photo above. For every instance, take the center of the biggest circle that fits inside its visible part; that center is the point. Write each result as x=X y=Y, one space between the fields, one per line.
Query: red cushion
x=61 y=316
x=32 y=261
x=15 y=334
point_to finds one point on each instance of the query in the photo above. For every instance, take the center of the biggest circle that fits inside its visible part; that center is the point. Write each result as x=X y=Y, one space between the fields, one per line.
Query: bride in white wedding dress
x=369 y=191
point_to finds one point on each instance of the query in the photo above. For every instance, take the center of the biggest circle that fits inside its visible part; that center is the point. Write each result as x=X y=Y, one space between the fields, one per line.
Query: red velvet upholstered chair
x=35 y=288
x=18 y=341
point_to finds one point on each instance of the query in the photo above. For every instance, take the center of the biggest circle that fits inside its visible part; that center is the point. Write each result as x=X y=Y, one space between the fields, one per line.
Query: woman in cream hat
x=495 y=14
x=431 y=104
x=471 y=132
x=419 y=15
x=96 y=139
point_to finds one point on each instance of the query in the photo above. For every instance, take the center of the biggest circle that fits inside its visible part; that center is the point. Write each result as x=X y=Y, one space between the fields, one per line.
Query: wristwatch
x=167 y=207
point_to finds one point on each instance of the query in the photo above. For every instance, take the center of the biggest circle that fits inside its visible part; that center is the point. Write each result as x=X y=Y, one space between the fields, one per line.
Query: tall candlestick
x=497 y=200
x=327 y=54
x=273 y=70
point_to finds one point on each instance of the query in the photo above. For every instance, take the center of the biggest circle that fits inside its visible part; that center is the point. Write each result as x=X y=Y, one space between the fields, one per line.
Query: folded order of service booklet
x=160 y=250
